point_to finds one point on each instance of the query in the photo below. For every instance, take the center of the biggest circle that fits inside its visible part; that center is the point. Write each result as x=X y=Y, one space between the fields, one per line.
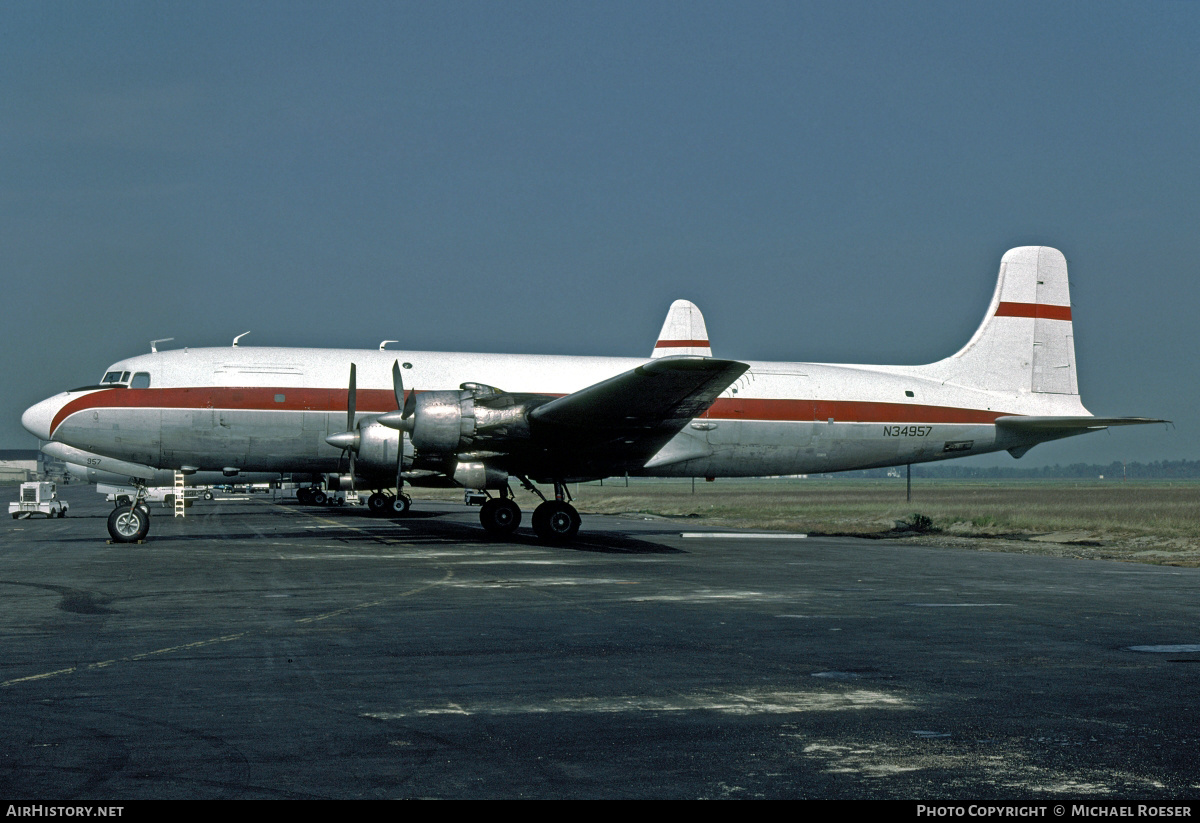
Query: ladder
x=179 y=507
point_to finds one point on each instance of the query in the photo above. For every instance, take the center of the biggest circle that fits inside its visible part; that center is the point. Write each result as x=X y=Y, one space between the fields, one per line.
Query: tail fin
x=1026 y=343
x=683 y=332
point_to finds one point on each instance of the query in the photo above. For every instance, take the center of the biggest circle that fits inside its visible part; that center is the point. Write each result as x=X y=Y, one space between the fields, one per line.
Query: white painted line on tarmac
x=955 y=605
x=755 y=535
x=1176 y=649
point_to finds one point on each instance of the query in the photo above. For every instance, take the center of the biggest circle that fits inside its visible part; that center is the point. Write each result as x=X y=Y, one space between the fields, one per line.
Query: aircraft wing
x=1036 y=425
x=620 y=423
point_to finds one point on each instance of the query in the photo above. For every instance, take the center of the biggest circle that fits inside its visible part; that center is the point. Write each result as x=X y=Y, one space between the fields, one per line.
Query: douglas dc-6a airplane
x=376 y=419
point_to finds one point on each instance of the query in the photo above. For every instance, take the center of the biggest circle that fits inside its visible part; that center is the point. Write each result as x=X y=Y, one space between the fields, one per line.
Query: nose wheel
x=128 y=525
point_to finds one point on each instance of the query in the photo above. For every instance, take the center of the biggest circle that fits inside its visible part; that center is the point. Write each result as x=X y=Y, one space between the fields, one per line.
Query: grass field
x=1145 y=521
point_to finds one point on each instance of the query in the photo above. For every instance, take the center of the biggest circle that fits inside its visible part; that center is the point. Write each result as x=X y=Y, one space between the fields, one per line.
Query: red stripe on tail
x=1035 y=310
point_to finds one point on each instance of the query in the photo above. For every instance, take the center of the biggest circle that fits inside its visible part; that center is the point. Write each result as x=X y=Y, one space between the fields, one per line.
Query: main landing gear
x=554 y=521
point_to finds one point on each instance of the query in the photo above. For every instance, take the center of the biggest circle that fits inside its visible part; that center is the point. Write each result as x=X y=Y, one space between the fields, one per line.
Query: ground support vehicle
x=38 y=497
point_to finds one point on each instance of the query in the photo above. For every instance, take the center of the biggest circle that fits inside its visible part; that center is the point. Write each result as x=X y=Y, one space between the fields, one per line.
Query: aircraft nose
x=38 y=417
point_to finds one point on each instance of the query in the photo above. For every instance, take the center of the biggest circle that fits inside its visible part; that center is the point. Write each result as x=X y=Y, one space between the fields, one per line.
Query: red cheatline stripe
x=679 y=344
x=1036 y=310
x=377 y=401
x=845 y=411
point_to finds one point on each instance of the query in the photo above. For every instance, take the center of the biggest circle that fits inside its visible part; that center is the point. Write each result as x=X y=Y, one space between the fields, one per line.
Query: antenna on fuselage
x=239 y=337
x=154 y=343
x=383 y=345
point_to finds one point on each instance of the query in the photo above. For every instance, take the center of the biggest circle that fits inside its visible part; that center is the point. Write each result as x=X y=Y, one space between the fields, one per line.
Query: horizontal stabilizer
x=1062 y=424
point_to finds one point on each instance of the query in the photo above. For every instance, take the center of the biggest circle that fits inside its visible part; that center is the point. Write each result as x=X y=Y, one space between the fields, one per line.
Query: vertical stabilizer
x=683 y=332
x=1026 y=343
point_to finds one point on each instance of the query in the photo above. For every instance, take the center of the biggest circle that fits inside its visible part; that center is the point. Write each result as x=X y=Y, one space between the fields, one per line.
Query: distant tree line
x=1158 y=469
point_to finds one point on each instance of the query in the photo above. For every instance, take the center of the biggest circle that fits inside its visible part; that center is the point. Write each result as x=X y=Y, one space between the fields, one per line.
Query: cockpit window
x=120 y=378
x=141 y=380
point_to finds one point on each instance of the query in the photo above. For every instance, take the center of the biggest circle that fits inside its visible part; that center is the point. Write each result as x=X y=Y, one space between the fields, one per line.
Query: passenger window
x=141 y=380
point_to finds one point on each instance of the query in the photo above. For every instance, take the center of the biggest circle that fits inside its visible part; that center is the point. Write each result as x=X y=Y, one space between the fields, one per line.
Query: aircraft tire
x=318 y=498
x=556 y=522
x=500 y=516
x=400 y=505
x=378 y=503
x=128 y=525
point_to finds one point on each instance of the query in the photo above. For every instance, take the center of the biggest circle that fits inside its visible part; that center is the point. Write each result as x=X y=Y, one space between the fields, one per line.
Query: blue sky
x=829 y=182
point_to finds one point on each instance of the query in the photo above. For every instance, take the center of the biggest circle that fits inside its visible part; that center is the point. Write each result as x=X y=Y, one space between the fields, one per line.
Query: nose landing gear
x=130 y=522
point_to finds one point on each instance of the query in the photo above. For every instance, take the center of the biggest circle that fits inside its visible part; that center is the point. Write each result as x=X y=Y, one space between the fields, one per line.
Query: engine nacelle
x=443 y=423
x=480 y=476
x=378 y=447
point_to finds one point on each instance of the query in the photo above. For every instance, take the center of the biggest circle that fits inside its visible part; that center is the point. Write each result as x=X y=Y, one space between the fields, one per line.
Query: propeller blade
x=398 y=385
x=351 y=407
x=351 y=400
x=408 y=406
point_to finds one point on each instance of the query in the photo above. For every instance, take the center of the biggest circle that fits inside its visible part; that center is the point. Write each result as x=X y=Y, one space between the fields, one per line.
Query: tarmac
x=263 y=649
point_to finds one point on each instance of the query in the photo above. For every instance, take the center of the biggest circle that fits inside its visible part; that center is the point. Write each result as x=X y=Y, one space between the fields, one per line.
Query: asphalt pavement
x=263 y=649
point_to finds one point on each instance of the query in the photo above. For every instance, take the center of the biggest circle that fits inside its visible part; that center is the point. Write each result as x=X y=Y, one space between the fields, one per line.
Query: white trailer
x=123 y=495
x=38 y=498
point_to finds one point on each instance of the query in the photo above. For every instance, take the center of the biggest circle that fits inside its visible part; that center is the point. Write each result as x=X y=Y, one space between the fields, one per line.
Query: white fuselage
x=270 y=409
